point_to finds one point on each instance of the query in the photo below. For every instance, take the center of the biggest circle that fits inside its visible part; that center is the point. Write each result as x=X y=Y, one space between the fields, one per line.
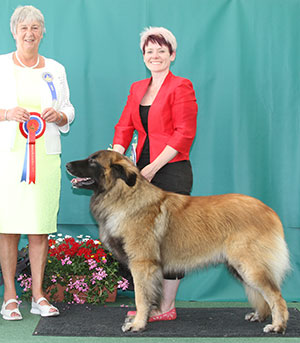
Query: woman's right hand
x=18 y=114
x=118 y=148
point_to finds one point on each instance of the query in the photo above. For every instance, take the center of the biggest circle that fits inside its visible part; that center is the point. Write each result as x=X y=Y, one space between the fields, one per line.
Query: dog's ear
x=119 y=172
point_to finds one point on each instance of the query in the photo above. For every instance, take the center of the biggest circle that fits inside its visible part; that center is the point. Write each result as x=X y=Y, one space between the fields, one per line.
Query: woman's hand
x=162 y=159
x=18 y=114
x=118 y=148
x=149 y=172
x=51 y=116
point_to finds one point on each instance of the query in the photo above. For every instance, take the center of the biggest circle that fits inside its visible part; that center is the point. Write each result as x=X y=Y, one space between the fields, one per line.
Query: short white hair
x=158 y=31
x=26 y=14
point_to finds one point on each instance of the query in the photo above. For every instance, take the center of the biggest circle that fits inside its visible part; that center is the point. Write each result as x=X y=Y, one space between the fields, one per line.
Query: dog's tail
x=278 y=260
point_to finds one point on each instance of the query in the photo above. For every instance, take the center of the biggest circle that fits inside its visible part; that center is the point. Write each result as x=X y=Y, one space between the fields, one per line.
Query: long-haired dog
x=156 y=232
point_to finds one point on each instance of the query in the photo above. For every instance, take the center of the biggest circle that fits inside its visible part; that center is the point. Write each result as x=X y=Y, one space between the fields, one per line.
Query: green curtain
x=243 y=59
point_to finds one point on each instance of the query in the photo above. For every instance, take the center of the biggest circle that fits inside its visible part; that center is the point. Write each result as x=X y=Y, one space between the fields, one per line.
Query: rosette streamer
x=32 y=129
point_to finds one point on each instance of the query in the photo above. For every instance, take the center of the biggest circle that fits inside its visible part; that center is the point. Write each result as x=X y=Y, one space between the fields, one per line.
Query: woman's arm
x=64 y=113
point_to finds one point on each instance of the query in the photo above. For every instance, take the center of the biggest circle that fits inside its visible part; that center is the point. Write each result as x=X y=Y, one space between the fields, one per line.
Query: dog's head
x=101 y=170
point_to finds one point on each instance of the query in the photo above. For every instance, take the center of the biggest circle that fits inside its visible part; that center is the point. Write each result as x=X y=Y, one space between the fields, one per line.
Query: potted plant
x=77 y=271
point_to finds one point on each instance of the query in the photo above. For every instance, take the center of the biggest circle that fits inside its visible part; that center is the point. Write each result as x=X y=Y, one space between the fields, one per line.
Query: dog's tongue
x=78 y=179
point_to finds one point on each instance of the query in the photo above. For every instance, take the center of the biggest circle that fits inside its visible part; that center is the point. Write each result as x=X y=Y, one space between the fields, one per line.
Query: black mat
x=99 y=321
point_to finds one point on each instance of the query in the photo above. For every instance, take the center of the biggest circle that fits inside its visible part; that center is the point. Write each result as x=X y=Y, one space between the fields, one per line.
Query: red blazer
x=172 y=118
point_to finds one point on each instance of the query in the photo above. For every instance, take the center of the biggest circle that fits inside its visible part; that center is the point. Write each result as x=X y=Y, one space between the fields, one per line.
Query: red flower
x=51 y=242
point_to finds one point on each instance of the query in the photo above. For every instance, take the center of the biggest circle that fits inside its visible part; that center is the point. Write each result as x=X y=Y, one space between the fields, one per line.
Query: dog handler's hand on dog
x=51 y=116
x=119 y=148
x=18 y=114
x=151 y=169
x=149 y=172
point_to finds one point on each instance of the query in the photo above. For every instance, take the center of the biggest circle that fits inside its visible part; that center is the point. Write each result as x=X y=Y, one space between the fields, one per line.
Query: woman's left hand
x=148 y=172
x=163 y=158
x=50 y=115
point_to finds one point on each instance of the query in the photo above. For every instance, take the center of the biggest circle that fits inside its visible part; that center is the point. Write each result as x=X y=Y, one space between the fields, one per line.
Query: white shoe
x=7 y=314
x=43 y=310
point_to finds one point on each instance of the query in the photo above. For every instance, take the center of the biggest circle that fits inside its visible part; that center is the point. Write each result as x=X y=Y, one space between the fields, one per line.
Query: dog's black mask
x=87 y=173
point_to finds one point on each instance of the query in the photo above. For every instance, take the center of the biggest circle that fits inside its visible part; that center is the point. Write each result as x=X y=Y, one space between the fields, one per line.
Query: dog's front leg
x=147 y=278
x=139 y=321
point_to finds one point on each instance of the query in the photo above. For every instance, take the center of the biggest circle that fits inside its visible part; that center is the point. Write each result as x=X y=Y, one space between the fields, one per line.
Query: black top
x=145 y=154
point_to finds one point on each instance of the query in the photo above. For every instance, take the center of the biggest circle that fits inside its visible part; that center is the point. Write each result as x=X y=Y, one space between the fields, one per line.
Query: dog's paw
x=126 y=326
x=128 y=319
x=131 y=325
x=253 y=317
x=275 y=328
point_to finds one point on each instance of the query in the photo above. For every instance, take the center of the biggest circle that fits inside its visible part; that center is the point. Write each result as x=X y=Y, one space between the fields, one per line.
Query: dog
x=156 y=232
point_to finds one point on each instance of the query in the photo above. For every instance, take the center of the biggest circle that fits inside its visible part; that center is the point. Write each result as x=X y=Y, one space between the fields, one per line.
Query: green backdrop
x=243 y=57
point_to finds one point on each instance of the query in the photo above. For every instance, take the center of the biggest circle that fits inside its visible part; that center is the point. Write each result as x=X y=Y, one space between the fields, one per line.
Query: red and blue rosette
x=32 y=129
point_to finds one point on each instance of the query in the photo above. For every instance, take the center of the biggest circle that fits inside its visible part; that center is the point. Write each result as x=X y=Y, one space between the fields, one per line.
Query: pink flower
x=92 y=264
x=123 y=284
x=25 y=283
x=78 y=300
x=80 y=285
x=100 y=275
x=66 y=260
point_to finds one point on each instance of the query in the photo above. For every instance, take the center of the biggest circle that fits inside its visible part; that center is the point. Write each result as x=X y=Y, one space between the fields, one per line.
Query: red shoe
x=131 y=313
x=171 y=315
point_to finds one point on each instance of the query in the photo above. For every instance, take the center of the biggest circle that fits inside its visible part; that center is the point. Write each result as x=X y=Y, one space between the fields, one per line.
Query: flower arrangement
x=83 y=267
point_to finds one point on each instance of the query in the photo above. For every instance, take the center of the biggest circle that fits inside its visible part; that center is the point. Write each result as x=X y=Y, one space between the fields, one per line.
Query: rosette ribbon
x=32 y=129
x=48 y=78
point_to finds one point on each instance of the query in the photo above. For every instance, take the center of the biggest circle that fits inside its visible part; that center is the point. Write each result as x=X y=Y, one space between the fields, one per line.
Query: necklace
x=25 y=66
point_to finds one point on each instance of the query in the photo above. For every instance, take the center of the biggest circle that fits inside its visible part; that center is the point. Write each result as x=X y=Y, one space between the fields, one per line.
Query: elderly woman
x=163 y=110
x=29 y=197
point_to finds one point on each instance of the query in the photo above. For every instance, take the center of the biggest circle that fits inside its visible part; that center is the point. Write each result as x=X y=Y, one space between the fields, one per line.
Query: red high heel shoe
x=171 y=315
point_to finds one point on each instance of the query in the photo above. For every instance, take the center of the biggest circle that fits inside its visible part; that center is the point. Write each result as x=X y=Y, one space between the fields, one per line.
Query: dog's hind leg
x=280 y=314
x=265 y=291
x=147 y=278
x=262 y=309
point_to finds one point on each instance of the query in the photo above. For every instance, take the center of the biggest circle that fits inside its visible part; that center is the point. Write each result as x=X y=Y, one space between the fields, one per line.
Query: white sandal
x=7 y=314
x=43 y=310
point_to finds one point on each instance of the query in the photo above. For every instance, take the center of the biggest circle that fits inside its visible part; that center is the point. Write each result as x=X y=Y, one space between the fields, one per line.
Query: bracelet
x=5 y=114
x=61 y=118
